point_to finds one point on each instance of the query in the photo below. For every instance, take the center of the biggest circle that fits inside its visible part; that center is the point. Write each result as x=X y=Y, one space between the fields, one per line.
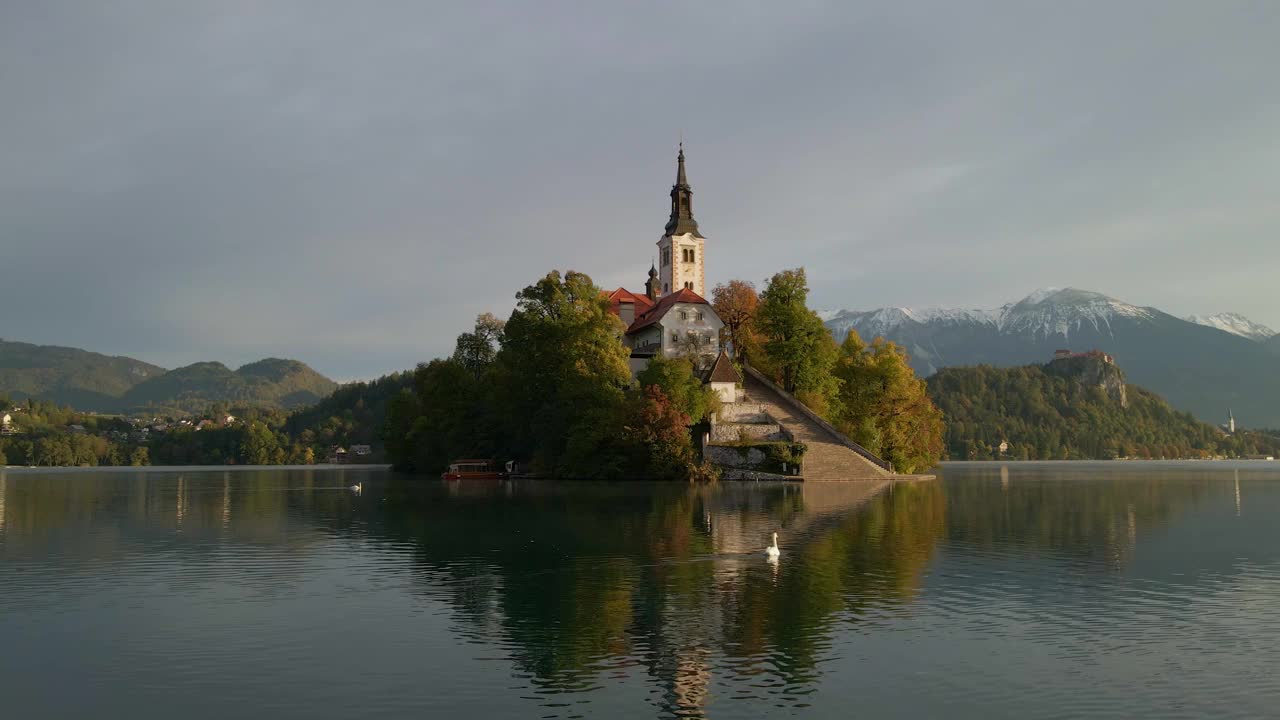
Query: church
x=672 y=316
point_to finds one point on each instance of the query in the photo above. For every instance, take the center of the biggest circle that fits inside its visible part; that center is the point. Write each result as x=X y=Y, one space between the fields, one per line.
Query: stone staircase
x=831 y=455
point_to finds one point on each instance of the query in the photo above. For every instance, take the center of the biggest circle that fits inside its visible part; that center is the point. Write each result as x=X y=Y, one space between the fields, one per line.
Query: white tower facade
x=682 y=249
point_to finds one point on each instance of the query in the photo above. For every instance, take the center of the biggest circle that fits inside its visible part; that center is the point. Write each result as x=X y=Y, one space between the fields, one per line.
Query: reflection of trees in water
x=874 y=556
x=574 y=580
x=1090 y=519
x=578 y=579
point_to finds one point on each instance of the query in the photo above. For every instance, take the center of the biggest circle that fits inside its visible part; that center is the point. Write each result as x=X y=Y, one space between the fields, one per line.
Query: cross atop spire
x=681 y=221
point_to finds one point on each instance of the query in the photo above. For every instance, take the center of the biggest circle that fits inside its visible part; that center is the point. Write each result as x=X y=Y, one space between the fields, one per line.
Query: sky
x=350 y=184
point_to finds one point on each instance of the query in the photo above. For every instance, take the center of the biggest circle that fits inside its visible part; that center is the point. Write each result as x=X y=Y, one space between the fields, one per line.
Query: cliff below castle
x=1092 y=370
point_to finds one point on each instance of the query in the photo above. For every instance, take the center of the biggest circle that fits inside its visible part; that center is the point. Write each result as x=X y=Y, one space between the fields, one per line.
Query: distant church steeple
x=653 y=286
x=681 y=221
x=680 y=250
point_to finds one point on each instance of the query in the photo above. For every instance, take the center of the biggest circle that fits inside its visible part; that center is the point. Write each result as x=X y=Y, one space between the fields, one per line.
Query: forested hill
x=270 y=383
x=92 y=382
x=1072 y=409
x=69 y=376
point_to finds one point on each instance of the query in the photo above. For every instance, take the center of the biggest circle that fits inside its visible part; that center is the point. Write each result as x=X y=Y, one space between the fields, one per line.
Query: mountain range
x=94 y=382
x=1206 y=365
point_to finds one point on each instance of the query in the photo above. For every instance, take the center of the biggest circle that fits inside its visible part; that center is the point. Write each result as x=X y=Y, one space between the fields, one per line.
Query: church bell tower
x=680 y=250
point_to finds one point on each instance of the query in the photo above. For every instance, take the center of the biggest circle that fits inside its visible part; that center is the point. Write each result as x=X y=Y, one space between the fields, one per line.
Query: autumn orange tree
x=736 y=303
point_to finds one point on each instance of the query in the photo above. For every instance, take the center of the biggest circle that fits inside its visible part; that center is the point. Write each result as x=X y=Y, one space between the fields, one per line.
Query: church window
x=666 y=288
x=688 y=286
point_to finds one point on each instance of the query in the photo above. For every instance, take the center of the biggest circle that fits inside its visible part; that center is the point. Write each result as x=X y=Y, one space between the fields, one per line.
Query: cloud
x=350 y=185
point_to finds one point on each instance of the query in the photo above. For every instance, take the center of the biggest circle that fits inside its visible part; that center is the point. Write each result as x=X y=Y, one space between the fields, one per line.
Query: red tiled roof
x=654 y=314
x=621 y=295
x=723 y=370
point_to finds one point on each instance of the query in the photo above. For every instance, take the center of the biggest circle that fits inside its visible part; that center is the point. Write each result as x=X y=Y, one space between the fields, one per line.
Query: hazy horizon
x=349 y=185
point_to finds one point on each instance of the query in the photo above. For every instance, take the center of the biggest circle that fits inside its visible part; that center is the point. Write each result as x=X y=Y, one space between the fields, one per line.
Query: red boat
x=473 y=470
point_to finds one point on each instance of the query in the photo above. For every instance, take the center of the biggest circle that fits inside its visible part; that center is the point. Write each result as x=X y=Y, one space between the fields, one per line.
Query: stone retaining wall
x=733 y=432
x=734 y=461
x=741 y=412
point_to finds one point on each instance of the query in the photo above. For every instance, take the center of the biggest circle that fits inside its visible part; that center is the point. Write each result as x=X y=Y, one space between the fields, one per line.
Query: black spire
x=651 y=285
x=681 y=220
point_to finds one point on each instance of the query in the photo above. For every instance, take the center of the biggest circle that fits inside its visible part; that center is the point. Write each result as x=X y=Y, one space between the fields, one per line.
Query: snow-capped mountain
x=1201 y=368
x=1051 y=311
x=1235 y=324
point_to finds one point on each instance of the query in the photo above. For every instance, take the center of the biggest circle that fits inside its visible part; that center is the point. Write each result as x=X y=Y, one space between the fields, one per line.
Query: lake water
x=1030 y=591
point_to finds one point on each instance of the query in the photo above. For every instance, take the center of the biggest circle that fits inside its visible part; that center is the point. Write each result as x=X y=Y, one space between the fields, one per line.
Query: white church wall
x=687 y=326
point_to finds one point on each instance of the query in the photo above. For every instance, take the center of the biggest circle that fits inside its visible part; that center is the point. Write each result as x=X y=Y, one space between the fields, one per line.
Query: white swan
x=357 y=488
x=772 y=551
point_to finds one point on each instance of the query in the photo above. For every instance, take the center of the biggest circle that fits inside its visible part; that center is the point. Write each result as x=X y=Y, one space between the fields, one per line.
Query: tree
x=657 y=425
x=402 y=411
x=796 y=342
x=883 y=406
x=562 y=363
x=139 y=457
x=260 y=446
x=451 y=418
x=676 y=378
x=54 y=451
x=475 y=351
x=736 y=302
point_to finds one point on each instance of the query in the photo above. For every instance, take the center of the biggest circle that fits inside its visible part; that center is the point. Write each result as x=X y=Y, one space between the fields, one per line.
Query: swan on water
x=773 y=551
x=358 y=488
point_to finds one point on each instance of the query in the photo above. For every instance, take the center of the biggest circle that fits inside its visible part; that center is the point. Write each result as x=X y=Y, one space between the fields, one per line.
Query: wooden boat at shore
x=473 y=470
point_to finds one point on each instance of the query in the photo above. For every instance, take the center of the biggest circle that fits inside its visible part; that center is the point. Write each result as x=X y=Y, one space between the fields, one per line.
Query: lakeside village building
x=672 y=316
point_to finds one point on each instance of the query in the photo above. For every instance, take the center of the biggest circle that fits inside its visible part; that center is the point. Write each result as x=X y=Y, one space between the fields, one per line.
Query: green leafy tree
x=561 y=367
x=402 y=411
x=475 y=351
x=139 y=457
x=884 y=407
x=798 y=346
x=260 y=446
x=451 y=422
x=680 y=384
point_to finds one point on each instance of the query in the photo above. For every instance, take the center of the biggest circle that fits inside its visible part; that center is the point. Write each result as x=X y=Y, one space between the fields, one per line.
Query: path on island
x=827 y=457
